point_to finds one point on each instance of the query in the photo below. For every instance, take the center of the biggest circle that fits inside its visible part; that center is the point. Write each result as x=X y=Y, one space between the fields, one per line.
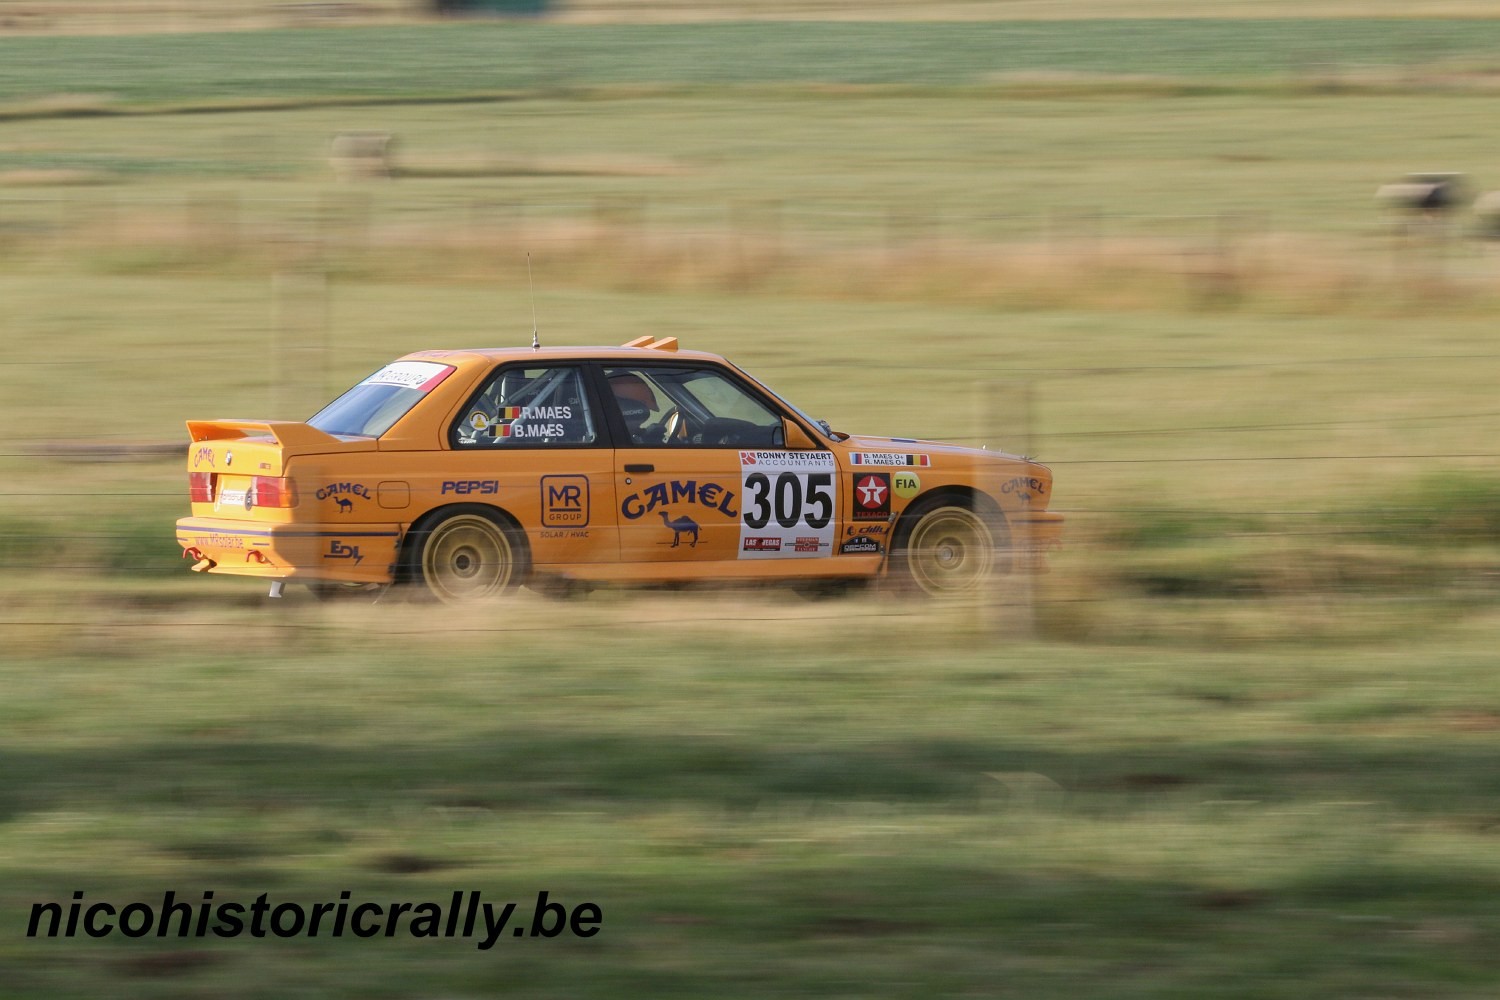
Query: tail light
x=200 y=487
x=268 y=491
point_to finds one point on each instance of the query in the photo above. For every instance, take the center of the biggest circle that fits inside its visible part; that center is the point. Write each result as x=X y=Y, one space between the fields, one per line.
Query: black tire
x=949 y=545
x=466 y=553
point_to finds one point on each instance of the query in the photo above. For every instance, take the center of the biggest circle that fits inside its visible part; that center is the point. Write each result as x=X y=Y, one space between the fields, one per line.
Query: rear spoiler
x=288 y=433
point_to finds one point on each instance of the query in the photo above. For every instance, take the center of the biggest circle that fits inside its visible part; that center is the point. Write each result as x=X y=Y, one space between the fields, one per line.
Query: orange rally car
x=468 y=473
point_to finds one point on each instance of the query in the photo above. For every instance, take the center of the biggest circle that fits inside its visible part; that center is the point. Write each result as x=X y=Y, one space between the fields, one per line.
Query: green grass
x=854 y=814
x=489 y=59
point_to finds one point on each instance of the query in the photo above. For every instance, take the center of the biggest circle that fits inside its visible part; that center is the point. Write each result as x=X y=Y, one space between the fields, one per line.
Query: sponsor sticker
x=816 y=460
x=220 y=541
x=478 y=421
x=682 y=528
x=565 y=501
x=344 y=489
x=485 y=486
x=860 y=547
x=872 y=496
x=675 y=493
x=423 y=376
x=906 y=484
x=339 y=550
x=791 y=499
x=888 y=458
x=1023 y=484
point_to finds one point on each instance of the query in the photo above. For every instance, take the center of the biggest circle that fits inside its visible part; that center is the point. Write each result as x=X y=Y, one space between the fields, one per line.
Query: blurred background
x=1231 y=274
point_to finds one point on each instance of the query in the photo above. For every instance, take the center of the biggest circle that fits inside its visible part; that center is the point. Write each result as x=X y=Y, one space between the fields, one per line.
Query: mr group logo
x=565 y=501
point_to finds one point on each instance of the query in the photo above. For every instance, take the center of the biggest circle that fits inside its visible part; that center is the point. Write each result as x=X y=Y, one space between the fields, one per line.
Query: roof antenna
x=536 y=344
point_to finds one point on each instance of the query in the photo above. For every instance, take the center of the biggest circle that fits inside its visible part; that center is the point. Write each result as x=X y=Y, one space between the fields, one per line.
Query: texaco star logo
x=871 y=492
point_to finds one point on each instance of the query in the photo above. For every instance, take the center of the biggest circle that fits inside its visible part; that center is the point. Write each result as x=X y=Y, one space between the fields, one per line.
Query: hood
x=865 y=442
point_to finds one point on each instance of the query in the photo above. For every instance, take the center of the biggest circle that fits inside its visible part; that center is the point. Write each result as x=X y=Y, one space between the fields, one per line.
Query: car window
x=528 y=407
x=373 y=407
x=675 y=405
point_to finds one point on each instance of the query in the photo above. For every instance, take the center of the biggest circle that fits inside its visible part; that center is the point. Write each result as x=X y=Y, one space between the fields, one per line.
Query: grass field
x=1249 y=749
x=490 y=59
x=765 y=799
x=149 y=16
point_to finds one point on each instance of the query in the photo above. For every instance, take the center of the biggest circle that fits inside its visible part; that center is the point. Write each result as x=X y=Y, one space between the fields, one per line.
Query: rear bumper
x=364 y=553
x=1035 y=534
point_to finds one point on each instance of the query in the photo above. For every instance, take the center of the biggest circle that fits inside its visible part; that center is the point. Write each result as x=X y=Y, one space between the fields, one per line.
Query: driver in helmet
x=636 y=400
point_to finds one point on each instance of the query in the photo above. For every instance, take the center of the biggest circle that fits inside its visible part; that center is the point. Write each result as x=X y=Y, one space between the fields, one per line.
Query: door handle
x=640 y=467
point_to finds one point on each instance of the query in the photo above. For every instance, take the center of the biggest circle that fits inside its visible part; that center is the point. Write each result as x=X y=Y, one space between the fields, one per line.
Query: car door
x=531 y=441
x=702 y=473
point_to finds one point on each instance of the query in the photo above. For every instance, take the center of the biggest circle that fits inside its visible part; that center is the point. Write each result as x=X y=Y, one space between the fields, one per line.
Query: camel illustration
x=679 y=526
x=345 y=504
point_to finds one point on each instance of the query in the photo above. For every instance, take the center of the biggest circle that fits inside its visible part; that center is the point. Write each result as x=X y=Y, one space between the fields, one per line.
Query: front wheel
x=468 y=555
x=947 y=549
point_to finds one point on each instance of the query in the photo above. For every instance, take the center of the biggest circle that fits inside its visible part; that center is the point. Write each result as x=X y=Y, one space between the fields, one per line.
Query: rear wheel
x=469 y=554
x=946 y=547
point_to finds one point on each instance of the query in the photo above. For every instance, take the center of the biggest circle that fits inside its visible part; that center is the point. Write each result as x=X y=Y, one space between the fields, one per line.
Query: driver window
x=667 y=405
x=523 y=407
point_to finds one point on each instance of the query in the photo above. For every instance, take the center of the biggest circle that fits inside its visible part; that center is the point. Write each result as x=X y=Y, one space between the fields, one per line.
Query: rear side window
x=373 y=407
x=521 y=407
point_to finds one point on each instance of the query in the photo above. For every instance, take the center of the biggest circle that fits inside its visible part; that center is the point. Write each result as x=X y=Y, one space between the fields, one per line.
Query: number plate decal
x=789 y=503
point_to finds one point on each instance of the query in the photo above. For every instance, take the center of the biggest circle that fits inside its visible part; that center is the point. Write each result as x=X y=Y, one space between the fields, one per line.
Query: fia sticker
x=906 y=484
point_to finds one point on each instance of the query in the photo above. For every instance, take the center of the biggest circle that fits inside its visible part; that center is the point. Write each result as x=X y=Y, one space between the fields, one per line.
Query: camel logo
x=345 y=504
x=680 y=526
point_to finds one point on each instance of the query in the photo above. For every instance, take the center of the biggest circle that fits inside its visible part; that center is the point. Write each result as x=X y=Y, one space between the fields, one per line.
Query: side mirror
x=795 y=437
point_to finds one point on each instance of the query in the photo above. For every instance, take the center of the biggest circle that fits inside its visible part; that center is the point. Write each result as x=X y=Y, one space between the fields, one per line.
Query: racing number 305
x=784 y=499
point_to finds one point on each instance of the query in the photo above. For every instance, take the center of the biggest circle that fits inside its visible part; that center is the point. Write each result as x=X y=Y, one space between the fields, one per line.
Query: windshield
x=373 y=407
x=820 y=424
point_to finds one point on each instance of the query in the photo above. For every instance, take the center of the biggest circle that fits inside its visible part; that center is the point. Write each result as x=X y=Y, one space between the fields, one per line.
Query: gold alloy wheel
x=950 y=551
x=468 y=557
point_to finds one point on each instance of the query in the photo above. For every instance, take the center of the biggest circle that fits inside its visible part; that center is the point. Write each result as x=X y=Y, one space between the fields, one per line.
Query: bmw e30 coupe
x=467 y=473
